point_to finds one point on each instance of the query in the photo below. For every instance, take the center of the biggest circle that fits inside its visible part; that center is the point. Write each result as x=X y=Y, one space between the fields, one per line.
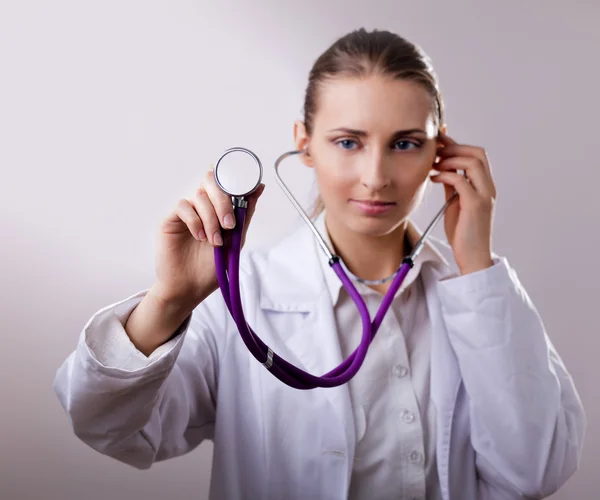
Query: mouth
x=372 y=207
x=374 y=203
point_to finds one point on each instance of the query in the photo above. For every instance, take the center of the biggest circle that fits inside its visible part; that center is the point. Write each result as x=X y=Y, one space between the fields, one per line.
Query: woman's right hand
x=185 y=265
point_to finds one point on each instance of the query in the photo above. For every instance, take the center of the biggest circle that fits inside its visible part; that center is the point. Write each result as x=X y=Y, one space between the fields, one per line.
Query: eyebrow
x=362 y=133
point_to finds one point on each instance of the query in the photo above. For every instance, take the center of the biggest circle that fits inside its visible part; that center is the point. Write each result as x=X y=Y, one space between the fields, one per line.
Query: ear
x=301 y=140
x=444 y=129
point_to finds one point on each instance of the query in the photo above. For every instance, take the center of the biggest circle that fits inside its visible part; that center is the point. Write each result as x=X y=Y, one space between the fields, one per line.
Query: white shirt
x=394 y=416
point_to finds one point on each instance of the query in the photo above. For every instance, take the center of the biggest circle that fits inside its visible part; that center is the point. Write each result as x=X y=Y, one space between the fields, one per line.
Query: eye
x=407 y=145
x=346 y=143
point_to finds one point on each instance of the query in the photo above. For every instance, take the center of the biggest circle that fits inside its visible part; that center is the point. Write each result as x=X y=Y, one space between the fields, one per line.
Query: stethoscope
x=240 y=178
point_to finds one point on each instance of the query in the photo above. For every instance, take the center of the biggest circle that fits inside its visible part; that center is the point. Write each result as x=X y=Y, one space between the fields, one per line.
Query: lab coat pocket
x=285 y=333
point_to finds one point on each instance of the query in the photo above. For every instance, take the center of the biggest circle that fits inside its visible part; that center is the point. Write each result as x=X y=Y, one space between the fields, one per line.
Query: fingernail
x=201 y=235
x=218 y=239
x=229 y=221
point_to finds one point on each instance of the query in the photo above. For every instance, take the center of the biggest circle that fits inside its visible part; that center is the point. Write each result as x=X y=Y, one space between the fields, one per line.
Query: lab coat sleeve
x=140 y=409
x=527 y=420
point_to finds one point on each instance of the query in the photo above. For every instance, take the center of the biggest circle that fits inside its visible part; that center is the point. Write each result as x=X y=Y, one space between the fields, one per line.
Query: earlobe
x=438 y=141
x=307 y=159
x=442 y=130
x=301 y=140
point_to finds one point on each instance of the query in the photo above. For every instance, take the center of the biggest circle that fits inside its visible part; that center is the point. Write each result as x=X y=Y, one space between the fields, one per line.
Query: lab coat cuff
x=485 y=300
x=108 y=347
x=457 y=286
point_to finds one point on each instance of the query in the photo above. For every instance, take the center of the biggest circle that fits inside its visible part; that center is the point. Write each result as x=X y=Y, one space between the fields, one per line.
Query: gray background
x=111 y=111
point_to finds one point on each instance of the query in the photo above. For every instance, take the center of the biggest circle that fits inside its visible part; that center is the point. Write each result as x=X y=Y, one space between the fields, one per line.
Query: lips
x=372 y=207
x=374 y=203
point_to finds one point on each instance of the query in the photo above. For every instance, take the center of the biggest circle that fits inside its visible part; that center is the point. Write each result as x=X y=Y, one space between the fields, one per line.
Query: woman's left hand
x=468 y=219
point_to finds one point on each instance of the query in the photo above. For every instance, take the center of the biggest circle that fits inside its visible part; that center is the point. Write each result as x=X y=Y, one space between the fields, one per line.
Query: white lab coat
x=510 y=422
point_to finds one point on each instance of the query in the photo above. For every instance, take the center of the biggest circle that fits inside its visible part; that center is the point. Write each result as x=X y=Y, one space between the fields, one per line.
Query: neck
x=369 y=257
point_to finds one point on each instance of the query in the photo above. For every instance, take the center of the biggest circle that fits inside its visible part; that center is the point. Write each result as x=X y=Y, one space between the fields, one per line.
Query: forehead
x=373 y=102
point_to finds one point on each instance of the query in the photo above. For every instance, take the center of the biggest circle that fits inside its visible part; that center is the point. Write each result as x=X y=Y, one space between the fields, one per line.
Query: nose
x=374 y=174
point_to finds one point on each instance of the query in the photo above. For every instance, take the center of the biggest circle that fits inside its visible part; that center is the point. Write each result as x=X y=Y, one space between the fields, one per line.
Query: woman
x=461 y=395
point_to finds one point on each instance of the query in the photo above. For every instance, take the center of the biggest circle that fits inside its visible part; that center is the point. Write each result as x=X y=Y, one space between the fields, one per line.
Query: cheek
x=411 y=175
x=334 y=183
x=420 y=191
x=414 y=195
x=334 y=173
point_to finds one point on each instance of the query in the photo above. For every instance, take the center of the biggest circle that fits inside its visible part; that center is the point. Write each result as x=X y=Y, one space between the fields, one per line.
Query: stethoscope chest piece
x=238 y=172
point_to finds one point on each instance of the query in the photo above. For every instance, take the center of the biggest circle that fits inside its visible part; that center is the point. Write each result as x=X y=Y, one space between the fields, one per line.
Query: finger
x=444 y=142
x=445 y=139
x=220 y=201
x=448 y=191
x=206 y=211
x=474 y=171
x=465 y=191
x=468 y=151
x=250 y=210
x=184 y=216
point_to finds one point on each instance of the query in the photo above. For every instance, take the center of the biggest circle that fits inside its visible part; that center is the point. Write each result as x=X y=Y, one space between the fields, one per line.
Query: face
x=372 y=146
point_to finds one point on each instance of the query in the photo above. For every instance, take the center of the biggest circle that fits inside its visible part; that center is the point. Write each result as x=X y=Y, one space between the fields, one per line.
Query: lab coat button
x=416 y=457
x=400 y=371
x=408 y=417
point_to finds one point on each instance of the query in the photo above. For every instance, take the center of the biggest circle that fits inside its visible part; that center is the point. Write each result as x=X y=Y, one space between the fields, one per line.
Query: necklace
x=365 y=281
x=374 y=282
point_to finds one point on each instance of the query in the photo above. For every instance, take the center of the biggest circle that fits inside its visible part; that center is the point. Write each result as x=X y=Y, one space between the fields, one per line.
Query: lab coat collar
x=429 y=254
x=296 y=271
x=291 y=280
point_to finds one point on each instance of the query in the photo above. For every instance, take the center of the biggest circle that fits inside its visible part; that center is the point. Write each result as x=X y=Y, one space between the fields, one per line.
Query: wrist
x=174 y=305
x=476 y=266
x=155 y=320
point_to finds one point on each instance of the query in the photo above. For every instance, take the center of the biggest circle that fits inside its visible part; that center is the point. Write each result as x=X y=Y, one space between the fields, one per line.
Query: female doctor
x=461 y=396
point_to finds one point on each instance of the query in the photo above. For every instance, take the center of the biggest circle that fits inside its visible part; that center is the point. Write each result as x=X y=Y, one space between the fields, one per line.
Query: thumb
x=448 y=191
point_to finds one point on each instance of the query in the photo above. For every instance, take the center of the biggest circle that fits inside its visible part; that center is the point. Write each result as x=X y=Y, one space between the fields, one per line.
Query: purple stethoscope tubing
x=227 y=260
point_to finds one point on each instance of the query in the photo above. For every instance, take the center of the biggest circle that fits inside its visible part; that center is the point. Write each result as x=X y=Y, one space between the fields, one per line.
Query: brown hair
x=362 y=53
